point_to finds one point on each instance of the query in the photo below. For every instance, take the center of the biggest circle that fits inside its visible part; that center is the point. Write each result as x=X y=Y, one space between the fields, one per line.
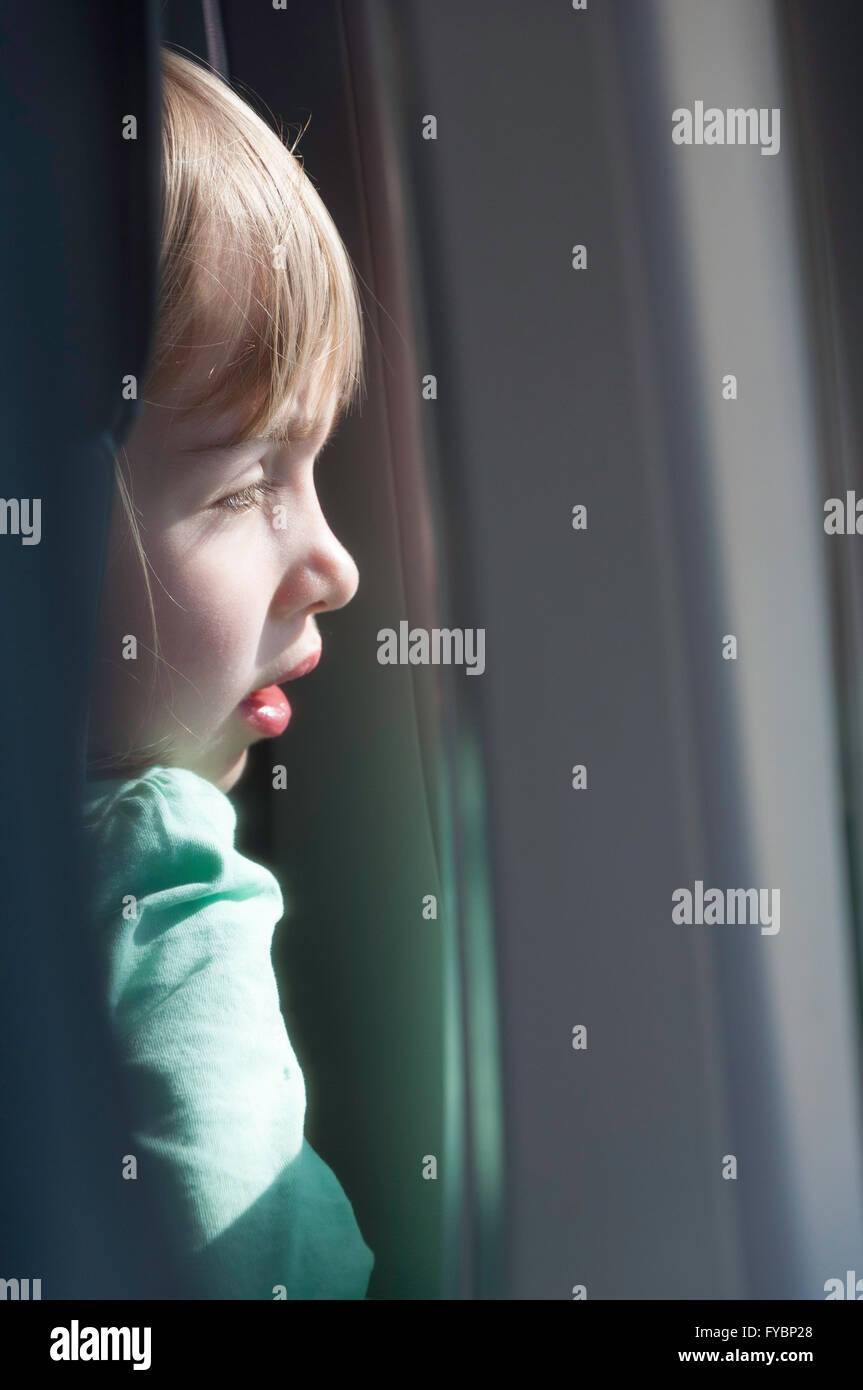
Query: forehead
x=172 y=423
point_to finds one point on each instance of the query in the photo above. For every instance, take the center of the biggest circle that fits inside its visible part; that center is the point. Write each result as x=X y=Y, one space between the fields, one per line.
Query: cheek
x=211 y=608
x=211 y=597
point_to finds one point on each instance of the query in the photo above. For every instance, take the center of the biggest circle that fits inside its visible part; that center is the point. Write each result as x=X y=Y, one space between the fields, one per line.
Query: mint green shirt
x=184 y=927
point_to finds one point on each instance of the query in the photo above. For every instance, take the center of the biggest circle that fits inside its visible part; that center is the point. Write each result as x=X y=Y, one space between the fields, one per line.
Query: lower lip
x=267 y=711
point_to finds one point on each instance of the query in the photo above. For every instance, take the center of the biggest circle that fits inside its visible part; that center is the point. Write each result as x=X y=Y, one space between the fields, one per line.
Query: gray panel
x=604 y=647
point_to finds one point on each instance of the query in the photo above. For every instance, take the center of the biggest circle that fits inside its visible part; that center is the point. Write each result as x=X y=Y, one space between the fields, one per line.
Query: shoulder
x=179 y=913
x=156 y=801
x=168 y=836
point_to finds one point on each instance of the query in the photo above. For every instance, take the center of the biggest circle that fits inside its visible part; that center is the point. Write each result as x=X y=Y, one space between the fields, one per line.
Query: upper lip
x=300 y=668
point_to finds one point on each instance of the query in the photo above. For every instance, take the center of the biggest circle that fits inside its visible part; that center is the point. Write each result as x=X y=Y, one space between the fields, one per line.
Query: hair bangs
x=254 y=277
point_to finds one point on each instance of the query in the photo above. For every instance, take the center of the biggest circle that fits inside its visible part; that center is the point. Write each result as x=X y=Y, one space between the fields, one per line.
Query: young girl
x=219 y=561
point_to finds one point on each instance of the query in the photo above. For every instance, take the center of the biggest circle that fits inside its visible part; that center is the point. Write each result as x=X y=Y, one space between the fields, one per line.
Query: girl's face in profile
x=240 y=561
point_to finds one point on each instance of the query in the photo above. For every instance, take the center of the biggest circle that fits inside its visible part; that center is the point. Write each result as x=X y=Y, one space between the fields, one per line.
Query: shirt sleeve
x=186 y=923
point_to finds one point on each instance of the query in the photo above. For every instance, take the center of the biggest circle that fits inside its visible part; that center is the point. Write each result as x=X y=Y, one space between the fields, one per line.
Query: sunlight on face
x=240 y=561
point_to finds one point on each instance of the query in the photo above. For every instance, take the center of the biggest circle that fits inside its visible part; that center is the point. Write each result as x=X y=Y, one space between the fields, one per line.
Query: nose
x=320 y=577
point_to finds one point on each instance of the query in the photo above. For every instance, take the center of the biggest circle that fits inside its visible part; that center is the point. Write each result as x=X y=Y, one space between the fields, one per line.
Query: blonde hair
x=249 y=259
x=284 y=289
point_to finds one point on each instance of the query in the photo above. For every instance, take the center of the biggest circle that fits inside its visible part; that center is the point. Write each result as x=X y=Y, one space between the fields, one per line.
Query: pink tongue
x=267 y=710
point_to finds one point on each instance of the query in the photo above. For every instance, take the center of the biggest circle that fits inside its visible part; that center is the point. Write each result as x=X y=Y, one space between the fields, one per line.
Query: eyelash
x=247 y=497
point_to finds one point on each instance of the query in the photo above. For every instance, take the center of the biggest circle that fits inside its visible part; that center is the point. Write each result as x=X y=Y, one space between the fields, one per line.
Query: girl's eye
x=247 y=497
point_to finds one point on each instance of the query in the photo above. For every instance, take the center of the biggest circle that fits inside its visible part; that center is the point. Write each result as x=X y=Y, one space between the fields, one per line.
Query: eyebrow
x=279 y=434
